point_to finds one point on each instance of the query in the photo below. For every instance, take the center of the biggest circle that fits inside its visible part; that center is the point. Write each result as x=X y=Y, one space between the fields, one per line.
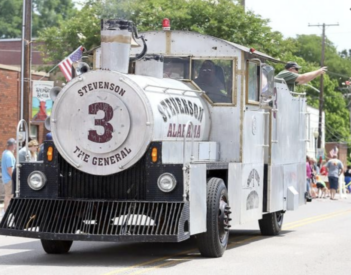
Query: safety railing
x=21 y=133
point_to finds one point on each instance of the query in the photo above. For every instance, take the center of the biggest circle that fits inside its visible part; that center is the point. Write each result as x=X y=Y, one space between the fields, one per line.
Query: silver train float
x=189 y=136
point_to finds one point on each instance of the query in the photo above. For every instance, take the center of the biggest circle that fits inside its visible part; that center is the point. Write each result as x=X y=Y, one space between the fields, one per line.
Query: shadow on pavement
x=119 y=255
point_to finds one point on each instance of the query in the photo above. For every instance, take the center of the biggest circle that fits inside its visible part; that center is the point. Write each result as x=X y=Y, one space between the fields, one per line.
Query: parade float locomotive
x=144 y=149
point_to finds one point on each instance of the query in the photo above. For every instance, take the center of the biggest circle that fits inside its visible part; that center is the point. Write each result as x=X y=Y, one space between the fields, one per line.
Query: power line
x=346 y=76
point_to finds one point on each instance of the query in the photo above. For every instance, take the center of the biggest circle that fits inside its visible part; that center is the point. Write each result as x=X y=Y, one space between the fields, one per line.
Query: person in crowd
x=347 y=175
x=31 y=154
x=314 y=166
x=323 y=191
x=41 y=148
x=292 y=77
x=8 y=163
x=323 y=170
x=308 y=179
x=335 y=168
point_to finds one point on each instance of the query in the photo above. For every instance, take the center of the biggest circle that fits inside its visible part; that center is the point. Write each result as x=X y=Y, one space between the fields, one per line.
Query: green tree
x=82 y=29
x=221 y=18
x=44 y=14
x=337 y=126
x=48 y=13
x=10 y=18
x=309 y=48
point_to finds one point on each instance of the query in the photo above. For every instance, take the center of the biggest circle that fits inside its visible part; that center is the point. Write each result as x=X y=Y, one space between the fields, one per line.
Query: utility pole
x=321 y=83
x=243 y=3
x=26 y=60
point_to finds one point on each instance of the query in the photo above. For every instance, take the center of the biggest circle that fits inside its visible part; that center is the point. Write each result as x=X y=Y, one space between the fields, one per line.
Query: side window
x=215 y=77
x=267 y=81
x=176 y=67
x=253 y=80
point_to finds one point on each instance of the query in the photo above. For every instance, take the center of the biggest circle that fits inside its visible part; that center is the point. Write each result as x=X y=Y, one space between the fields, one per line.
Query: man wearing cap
x=8 y=163
x=291 y=75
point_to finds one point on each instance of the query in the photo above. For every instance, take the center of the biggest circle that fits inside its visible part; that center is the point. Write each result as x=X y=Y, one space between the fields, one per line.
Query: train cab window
x=215 y=77
x=176 y=67
x=253 y=81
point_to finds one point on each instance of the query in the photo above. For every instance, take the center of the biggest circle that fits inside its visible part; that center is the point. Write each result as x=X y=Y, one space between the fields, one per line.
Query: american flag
x=66 y=64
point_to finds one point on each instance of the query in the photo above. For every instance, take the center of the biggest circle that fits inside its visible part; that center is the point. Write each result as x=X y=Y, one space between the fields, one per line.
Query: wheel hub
x=223 y=219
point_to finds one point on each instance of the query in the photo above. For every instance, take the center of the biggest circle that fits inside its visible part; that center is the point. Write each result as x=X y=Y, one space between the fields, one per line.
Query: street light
x=316 y=135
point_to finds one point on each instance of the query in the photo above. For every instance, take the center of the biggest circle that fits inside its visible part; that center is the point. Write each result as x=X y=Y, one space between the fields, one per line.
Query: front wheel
x=271 y=223
x=56 y=247
x=214 y=241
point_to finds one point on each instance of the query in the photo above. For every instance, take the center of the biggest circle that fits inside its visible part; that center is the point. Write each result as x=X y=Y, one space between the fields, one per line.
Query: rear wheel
x=271 y=223
x=56 y=247
x=214 y=242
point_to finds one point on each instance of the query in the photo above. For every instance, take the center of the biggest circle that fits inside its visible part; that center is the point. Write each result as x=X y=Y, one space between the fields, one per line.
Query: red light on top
x=252 y=50
x=347 y=83
x=166 y=24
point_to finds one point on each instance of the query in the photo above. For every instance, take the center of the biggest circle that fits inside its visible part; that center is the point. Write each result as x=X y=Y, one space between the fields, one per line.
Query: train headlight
x=166 y=182
x=36 y=180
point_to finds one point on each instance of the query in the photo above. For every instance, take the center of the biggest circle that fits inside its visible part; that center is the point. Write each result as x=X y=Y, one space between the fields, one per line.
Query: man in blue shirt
x=8 y=163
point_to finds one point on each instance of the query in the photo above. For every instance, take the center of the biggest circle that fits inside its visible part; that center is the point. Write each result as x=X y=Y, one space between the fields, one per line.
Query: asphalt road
x=316 y=239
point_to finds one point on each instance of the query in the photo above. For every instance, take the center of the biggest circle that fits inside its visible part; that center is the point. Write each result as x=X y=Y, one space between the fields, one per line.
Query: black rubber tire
x=271 y=223
x=56 y=247
x=209 y=243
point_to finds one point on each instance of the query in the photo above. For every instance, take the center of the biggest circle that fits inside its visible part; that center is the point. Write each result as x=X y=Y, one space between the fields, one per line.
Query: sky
x=291 y=17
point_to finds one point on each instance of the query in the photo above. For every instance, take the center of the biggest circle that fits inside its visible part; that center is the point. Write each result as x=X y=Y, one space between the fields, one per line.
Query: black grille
x=96 y=220
x=126 y=185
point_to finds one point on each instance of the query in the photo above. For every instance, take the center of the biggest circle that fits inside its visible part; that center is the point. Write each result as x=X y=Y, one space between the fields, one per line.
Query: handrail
x=175 y=89
x=275 y=111
x=20 y=125
x=313 y=88
x=299 y=94
x=188 y=124
x=280 y=80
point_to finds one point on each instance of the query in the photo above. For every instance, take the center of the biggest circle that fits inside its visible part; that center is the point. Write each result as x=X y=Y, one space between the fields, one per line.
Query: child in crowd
x=323 y=191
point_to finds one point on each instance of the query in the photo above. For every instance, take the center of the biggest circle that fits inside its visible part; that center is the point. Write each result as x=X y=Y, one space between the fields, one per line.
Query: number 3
x=108 y=129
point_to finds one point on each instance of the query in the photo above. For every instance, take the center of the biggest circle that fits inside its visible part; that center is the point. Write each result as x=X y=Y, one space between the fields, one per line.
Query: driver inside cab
x=209 y=81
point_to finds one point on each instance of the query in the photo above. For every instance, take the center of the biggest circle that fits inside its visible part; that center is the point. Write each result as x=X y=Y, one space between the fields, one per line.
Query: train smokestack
x=116 y=37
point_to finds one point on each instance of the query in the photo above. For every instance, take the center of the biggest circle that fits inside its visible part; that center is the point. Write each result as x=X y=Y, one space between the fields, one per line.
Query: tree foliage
x=44 y=14
x=82 y=29
x=309 y=48
x=10 y=18
x=339 y=69
x=49 y=13
x=224 y=19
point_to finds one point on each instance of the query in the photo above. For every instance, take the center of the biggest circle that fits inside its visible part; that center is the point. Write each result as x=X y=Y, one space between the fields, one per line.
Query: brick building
x=10 y=95
x=11 y=49
x=10 y=89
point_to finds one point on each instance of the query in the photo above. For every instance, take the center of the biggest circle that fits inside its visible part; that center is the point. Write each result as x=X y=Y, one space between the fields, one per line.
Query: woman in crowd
x=33 y=146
